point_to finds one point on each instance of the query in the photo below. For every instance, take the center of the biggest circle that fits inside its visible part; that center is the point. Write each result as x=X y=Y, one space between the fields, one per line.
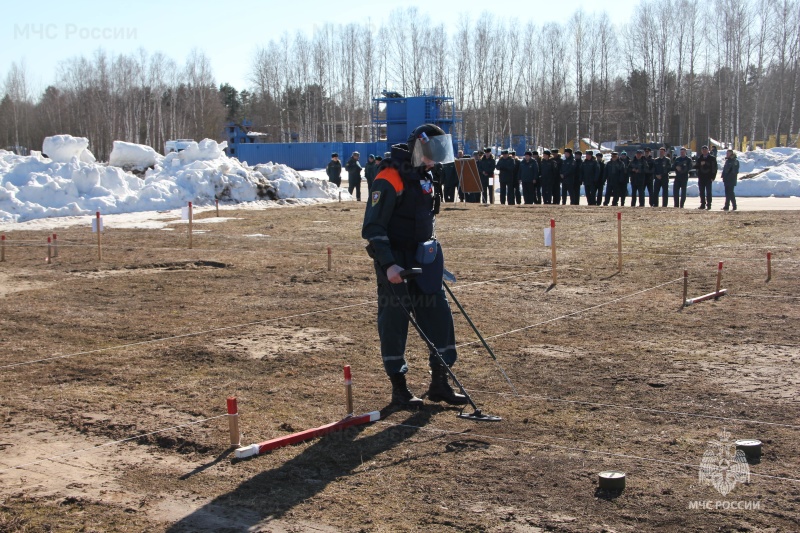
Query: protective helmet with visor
x=429 y=145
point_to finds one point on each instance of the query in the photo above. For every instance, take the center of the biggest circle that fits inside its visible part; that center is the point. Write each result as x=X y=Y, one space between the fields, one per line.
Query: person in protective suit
x=399 y=219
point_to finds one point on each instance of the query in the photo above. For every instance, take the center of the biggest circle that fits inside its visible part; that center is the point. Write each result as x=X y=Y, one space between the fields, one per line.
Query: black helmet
x=429 y=144
x=334 y=154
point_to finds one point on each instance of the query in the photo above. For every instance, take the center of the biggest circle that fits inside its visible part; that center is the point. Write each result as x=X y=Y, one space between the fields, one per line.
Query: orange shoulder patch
x=392 y=176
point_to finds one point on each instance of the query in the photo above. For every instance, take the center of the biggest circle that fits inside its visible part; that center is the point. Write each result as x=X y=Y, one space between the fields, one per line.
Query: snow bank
x=37 y=187
x=131 y=155
x=63 y=148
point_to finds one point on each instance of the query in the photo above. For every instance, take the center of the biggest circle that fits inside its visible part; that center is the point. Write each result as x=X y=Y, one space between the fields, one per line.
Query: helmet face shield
x=431 y=150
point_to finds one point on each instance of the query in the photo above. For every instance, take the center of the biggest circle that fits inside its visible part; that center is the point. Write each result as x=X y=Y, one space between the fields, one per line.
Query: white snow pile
x=62 y=148
x=781 y=180
x=66 y=184
x=133 y=156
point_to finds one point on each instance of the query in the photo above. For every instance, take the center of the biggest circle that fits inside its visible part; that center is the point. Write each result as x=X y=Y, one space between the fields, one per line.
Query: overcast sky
x=45 y=32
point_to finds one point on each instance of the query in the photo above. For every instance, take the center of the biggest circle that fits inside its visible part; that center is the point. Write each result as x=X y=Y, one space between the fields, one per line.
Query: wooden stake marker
x=715 y=295
x=217 y=204
x=49 y=250
x=233 y=421
x=553 y=246
x=99 y=242
x=190 y=225
x=619 y=241
x=329 y=258
x=769 y=266
x=55 y=245
x=685 y=287
x=2 y=247
x=348 y=390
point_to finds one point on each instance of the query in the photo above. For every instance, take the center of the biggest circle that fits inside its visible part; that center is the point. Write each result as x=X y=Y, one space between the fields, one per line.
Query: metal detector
x=476 y=414
x=451 y=278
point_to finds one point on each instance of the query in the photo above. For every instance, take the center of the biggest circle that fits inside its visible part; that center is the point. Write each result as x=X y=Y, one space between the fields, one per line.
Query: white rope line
x=112 y=443
x=517 y=330
x=643 y=409
x=573 y=449
x=185 y=335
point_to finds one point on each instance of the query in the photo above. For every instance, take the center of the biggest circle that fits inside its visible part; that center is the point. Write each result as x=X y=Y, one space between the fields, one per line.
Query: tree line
x=669 y=71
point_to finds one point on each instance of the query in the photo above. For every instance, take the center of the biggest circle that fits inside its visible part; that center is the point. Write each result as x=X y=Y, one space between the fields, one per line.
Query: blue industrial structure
x=393 y=118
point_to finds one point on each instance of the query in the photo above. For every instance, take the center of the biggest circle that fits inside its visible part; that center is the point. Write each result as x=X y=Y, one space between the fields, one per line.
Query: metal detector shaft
x=478 y=333
x=431 y=346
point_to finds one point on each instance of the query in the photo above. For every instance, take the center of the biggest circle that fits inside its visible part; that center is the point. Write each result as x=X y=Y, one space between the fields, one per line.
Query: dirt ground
x=610 y=373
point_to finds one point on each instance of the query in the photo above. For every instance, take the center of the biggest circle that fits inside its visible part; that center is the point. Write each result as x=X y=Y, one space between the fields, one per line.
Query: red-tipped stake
x=553 y=246
x=348 y=390
x=769 y=266
x=329 y=258
x=233 y=420
x=49 y=251
x=719 y=280
x=55 y=245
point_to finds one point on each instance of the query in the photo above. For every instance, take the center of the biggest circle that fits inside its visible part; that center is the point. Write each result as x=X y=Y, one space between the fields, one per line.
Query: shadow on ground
x=271 y=494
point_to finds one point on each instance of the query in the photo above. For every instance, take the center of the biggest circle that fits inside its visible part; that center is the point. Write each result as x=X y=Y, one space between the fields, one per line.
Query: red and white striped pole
x=233 y=420
x=55 y=245
x=329 y=258
x=553 y=246
x=2 y=247
x=719 y=280
x=769 y=266
x=348 y=390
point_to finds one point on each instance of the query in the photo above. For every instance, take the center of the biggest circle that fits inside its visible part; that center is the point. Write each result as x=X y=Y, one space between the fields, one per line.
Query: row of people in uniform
x=550 y=178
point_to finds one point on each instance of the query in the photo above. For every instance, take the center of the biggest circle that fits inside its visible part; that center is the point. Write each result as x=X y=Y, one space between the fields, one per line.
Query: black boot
x=401 y=395
x=440 y=389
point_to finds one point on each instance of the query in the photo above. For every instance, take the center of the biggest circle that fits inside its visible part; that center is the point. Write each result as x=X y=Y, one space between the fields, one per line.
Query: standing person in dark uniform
x=334 y=170
x=661 y=178
x=528 y=176
x=638 y=170
x=601 y=179
x=400 y=215
x=567 y=173
x=370 y=170
x=623 y=156
x=537 y=184
x=516 y=184
x=575 y=190
x=486 y=168
x=555 y=156
x=648 y=176
x=353 y=168
x=590 y=171
x=505 y=165
x=450 y=182
x=548 y=172
x=617 y=178
x=706 y=166
x=681 y=166
x=730 y=176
